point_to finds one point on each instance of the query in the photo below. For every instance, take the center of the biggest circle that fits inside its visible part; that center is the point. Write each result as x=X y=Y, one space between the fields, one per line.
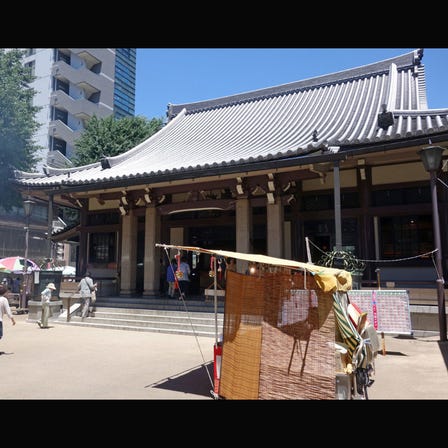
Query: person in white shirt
x=4 y=308
x=45 y=297
x=86 y=287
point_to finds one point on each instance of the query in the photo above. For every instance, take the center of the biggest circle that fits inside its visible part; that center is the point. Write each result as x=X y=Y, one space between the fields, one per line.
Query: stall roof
x=328 y=279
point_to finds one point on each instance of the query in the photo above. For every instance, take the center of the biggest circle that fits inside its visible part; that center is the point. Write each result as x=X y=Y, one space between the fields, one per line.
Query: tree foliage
x=110 y=136
x=18 y=124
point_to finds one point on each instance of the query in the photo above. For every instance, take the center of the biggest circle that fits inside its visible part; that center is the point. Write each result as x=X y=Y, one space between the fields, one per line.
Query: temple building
x=333 y=159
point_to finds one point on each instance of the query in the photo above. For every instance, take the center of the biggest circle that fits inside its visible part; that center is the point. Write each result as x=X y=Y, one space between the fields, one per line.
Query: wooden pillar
x=287 y=240
x=337 y=205
x=275 y=218
x=243 y=223
x=50 y=227
x=443 y=213
x=151 y=274
x=83 y=243
x=128 y=253
x=367 y=239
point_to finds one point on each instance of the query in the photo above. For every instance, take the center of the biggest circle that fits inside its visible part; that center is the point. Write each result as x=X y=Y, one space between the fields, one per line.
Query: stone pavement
x=70 y=362
x=413 y=368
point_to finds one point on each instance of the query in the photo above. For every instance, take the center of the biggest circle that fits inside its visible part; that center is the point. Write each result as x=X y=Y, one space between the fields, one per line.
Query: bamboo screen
x=278 y=340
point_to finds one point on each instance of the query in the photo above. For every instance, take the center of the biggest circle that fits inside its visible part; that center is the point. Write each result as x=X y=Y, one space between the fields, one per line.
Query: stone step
x=143 y=312
x=184 y=331
x=184 y=319
x=173 y=322
x=160 y=304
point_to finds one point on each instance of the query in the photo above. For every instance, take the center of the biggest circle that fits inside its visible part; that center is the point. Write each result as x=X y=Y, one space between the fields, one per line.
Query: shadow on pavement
x=194 y=381
x=395 y=353
x=444 y=350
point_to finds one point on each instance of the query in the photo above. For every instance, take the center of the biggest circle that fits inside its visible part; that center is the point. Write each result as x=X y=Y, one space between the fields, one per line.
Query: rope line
x=442 y=182
x=182 y=297
x=426 y=254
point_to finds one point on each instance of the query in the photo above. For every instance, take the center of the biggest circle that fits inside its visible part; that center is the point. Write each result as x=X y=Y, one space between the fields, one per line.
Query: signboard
x=387 y=310
x=46 y=277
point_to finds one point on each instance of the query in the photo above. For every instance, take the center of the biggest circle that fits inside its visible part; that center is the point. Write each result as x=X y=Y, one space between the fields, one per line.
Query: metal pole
x=215 y=284
x=337 y=206
x=308 y=251
x=378 y=277
x=25 y=271
x=440 y=280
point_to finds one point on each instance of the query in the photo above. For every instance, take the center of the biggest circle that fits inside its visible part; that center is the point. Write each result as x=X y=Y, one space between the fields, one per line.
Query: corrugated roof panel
x=429 y=126
x=408 y=126
x=421 y=84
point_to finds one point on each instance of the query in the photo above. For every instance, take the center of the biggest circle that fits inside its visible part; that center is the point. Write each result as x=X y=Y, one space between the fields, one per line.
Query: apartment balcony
x=93 y=55
x=80 y=108
x=60 y=130
x=82 y=77
x=57 y=160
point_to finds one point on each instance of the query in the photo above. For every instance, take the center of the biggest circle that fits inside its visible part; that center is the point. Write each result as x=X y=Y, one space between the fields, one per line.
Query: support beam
x=50 y=227
x=128 y=254
x=151 y=273
x=337 y=205
x=243 y=230
x=275 y=217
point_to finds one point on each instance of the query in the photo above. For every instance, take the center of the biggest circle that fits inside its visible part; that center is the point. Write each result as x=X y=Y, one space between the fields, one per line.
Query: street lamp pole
x=27 y=206
x=432 y=159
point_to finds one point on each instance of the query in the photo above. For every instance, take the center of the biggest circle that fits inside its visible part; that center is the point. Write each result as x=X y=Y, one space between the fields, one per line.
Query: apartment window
x=32 y=67
x=63 y=57
x=96 y=68
x=95 y=97
x=59 y=114
x=61 y=85
x=30 y=51
x=56 y=144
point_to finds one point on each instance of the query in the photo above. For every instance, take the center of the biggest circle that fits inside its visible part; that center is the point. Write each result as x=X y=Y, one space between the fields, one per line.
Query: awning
x=328 y=279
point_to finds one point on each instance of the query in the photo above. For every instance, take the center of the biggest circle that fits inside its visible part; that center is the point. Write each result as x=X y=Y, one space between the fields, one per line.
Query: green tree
x=18 y=124
x=110 y=136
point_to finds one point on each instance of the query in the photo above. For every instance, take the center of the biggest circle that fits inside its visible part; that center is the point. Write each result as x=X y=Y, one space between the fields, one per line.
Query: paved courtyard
x=69 y=362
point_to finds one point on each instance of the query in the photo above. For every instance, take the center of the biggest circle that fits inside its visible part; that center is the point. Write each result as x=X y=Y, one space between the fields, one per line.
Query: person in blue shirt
x=171 y=278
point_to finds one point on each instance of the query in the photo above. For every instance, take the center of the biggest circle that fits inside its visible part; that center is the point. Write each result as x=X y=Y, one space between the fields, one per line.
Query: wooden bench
x=68 y=291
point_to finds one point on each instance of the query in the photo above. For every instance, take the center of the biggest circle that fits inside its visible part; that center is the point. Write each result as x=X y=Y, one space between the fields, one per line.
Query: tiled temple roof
x=291 y=120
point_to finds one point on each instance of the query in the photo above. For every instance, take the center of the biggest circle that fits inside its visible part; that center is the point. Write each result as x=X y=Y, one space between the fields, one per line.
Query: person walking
x=86 y=287
x=45 y=297
x=4 y=308
x=171 y=278
x=183 y=277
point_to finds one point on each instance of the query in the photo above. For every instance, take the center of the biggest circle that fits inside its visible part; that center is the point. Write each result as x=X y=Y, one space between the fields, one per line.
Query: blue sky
x=169 y=75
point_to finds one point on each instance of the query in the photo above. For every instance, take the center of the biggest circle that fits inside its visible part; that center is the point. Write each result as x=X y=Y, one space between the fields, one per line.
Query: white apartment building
x=72 y=85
